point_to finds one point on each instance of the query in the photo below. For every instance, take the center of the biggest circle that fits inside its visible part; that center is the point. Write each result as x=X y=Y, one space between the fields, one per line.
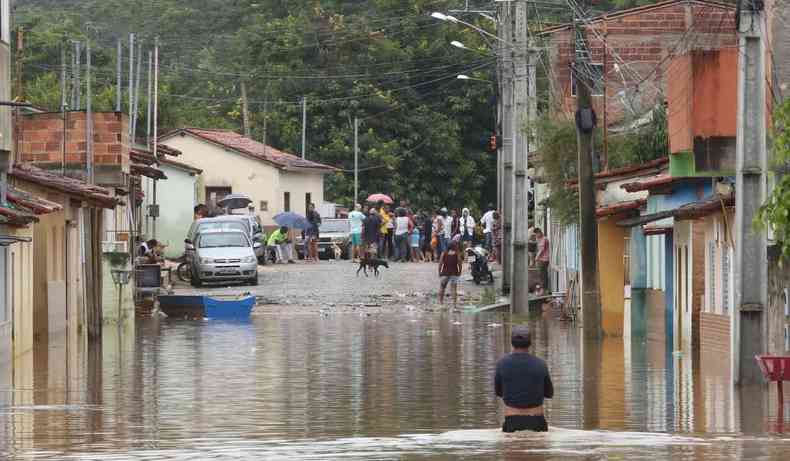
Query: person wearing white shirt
x=356 y=219
x=467 y=228
x=488 y=227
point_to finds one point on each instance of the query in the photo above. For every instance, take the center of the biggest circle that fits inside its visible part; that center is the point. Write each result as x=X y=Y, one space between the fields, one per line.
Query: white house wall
x=225 y=168
x=299 y=184
x=176 y=208
x=261 y=181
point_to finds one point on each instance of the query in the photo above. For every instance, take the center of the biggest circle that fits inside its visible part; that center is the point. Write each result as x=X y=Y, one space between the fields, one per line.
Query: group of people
x=400 y=234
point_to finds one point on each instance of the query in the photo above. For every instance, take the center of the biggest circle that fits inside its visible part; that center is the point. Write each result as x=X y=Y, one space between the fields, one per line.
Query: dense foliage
x=559 y=155
x=776 y=210
x=422 y=131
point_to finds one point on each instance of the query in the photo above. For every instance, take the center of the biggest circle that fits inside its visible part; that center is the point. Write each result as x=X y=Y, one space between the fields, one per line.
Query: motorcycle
x=479 y=265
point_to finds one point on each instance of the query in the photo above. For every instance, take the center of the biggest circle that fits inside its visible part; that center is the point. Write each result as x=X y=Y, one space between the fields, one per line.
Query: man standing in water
x=522 y=381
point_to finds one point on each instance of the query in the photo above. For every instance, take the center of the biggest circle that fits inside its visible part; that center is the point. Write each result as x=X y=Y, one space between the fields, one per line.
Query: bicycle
x=184 y=270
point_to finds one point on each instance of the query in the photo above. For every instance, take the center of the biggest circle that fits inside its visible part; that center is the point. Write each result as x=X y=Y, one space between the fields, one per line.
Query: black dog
x=372 y=263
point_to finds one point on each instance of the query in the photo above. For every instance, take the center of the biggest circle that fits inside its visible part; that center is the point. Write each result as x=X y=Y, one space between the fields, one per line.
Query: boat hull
x=199 y=307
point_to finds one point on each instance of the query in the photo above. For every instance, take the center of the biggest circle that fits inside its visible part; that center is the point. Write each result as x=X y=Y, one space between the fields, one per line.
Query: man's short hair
x=152 y=243
x=520 y=337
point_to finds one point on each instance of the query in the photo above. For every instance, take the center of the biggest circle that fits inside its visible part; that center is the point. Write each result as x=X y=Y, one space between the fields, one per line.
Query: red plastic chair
x=775 y=368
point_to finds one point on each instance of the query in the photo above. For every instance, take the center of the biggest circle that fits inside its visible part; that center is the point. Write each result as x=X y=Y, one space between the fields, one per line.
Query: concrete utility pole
x=76 y=87
x=356 y=161
x=751 y=257
x=245 y=108
x=88 y=114
x=588 y=226
x=156 y=125
x=519 y=299
x=148 y=113
x=118 y=72
x=137 y=89
x=505 y=34
x=131 y=85
x=304 y=126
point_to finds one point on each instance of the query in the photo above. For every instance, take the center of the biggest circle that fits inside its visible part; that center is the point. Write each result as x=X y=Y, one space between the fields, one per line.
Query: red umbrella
x=375 y=198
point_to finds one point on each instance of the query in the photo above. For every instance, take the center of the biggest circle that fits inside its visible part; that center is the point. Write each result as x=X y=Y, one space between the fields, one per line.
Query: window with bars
x=725 y=280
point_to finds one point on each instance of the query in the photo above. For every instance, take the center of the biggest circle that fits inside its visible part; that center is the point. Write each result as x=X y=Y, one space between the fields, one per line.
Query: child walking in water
x=450 y=266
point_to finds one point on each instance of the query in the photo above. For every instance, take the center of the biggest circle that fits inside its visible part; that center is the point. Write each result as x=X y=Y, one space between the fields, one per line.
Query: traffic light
x=492 y=143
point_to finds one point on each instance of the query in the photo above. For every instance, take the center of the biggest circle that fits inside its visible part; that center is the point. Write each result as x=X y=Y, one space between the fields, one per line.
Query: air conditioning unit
x=115 y=247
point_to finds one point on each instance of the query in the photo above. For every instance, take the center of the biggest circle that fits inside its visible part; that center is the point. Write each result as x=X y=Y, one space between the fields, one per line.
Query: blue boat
x=200 y=306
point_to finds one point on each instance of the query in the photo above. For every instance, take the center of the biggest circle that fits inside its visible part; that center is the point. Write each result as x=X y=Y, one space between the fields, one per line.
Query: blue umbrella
x=292 y=220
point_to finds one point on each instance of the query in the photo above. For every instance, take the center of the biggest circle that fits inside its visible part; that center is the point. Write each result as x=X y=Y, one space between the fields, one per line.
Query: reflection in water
x=378 y=387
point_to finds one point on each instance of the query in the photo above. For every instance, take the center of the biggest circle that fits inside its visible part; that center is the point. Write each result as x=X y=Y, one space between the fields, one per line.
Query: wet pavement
x=335 y=286
x=403 y=384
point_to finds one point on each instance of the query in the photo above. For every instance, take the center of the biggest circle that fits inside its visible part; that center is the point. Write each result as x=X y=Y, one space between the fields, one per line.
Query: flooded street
x=398 y=384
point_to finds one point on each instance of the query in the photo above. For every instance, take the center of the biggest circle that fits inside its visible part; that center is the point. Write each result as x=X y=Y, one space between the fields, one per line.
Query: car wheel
x=196 y=282
x=254 y=282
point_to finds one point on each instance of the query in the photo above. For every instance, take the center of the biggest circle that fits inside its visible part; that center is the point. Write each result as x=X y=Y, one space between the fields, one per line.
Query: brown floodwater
x=403 y=386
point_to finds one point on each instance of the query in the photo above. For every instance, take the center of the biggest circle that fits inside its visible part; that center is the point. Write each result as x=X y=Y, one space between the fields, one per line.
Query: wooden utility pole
x=751 y=253
x=245 y=109
x=604 y=73
x=519 y=291
x=131 y=86
x=505 y=34
x=588 y=225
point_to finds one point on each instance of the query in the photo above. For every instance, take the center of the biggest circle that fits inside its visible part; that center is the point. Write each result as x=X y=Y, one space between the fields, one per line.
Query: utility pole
x=356 y=161
x=505 y=33
x=519 y=294
x=265 y=119
x=148 y=112
x=131 y=85
x=137 y=90
x=63 y=106
x=245 y=110
x=585 y=123
x=88 y=114
x=118 y=72
x=751 y=258
x=76 y=103
x=304 y=126
x=156 y=125
x=20 y=46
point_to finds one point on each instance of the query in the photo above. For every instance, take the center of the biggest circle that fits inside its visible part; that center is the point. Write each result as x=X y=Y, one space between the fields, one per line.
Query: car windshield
x=223 y=239
x=340 y=225
x=224 y=225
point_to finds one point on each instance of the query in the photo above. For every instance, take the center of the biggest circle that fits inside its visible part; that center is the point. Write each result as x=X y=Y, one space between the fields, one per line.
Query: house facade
x=6 y=145
x=276 y=181
x=628 y=51
x=176 y=198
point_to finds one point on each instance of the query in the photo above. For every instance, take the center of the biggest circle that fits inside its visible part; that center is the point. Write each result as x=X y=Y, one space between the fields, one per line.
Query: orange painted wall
x=679 y=90
x=715 y=104
x=702 y=97
x=611 y=245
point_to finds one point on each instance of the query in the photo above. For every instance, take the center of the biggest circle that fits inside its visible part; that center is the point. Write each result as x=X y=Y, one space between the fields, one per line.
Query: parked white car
x=224 y=255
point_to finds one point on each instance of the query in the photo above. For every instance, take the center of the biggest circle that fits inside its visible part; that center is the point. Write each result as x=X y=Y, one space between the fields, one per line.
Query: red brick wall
x=41 y=139
x=644 y=41
x=715 y=333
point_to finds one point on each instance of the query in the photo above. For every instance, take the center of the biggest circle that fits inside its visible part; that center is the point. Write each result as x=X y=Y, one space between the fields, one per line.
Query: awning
x=148 y=171
x=691 y=210
x=646 y=218
x=619 y=207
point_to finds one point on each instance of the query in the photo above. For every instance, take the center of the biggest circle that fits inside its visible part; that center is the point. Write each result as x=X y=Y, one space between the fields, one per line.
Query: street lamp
x=454 y=20
x=121 y=278
x=458 y=44
x=466 y=77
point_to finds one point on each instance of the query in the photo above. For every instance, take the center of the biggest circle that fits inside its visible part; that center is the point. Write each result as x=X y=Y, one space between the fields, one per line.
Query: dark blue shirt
x=522 y=380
